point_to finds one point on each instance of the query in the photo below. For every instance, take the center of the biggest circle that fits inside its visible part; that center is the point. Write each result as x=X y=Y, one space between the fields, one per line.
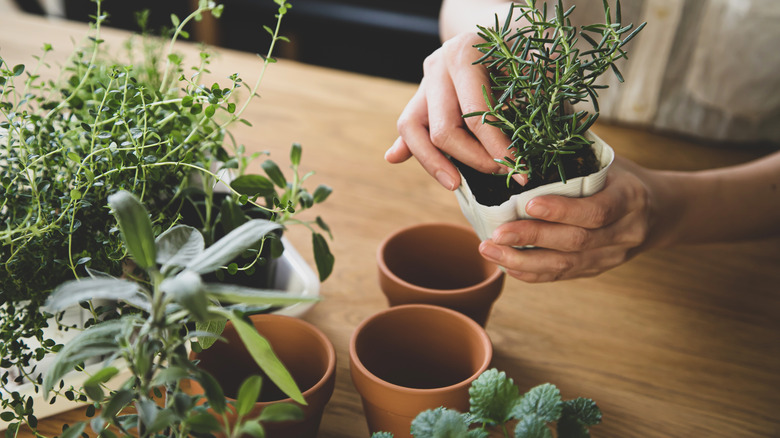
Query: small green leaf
x=532 y=426
x=273 y=172
x=543 y=401
x=321 y=193
x=440 y=422
x=102 y=376
x=264 y=356
x=229 y=247
x=215 y=326
x=295 y=154
x=204 y=423
x=323 y=258
x=186 y=288
x=18 y=69
x=178 y=245
x=118 y=401
x=136 y=228
x=281 y=412
x=213 y=391
x=493 y=396
x=253 y=185
x=74 y=430
x=248 y=395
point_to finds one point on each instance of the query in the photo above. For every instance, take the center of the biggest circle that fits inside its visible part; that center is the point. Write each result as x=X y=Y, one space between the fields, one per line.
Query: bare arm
x=458 y=16
x=637 y=210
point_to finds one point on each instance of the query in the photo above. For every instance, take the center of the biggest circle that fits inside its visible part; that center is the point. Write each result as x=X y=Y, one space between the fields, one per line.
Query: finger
x=469 y=80
x=398 y=152
x=412 y=125
x=447 y=129
x=626 y=232
x=596 y=211
x=542 y=265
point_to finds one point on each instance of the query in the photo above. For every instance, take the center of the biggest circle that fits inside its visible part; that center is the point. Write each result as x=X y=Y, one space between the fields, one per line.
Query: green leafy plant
x=537 y=73
x=102 y=125
x=151 y=339
x=495 y=402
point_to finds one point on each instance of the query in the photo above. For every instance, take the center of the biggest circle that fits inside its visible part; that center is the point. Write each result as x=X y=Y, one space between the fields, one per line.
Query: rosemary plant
x=104 y=125
x=537 y=73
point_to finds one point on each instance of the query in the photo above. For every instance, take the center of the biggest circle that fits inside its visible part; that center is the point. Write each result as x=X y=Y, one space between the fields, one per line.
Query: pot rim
x=376 y=381
x=330 y=370
x=495 y=275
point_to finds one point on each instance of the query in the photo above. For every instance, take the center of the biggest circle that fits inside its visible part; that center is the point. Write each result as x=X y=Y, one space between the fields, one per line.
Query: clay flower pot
x=411 y=358
x=486 y=218
x=439 y=264
x=305 y=351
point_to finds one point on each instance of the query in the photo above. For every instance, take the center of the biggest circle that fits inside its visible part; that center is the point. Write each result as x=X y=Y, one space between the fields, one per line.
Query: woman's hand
x=579 y=237
x=432 y=123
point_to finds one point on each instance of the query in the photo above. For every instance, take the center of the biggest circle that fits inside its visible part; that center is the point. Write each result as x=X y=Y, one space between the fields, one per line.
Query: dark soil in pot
x=490 y=189
x=263 y=275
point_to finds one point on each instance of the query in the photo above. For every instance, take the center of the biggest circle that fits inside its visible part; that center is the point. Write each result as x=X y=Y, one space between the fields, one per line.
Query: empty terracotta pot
x=410 y=358
x=304 y=350
x=439 y=264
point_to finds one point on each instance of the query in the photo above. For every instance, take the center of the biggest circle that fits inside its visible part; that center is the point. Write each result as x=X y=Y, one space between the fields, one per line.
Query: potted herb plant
x=497 y=405
x=100 y=125
x=151 y=337
x=537 y=74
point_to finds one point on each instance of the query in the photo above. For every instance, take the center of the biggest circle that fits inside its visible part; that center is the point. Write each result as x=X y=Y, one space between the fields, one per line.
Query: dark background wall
x=388 y=38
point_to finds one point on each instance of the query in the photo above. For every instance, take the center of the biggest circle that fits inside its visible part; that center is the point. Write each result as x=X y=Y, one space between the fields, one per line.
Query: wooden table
x=680 y=342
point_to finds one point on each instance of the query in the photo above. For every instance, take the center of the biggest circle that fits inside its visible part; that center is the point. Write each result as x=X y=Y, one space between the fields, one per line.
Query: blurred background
x=387 y=38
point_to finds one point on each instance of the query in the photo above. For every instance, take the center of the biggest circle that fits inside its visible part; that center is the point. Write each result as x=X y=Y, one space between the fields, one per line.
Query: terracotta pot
x=410 y=358
x=486 y=218
x=305 y=351
x=439 y=264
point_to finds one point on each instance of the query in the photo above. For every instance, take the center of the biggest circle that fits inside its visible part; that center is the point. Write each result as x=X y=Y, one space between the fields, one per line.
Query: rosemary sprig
x=537 y=74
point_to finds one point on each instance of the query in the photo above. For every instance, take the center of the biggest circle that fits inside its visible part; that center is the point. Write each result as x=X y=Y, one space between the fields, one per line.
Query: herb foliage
x=537 y=73
x=495 y=401
x=151 y=341
x=148 y=126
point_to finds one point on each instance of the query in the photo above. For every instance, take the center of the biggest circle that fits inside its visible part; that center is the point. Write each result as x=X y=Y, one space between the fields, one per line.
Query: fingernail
x=445 y=179
x=505 y=238
x=490 y=251
x=536 y=210
x=391 y=149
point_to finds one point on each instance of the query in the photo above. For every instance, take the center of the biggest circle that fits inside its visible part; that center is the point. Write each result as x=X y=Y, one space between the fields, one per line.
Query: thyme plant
x=537 y=73
x=149 y=126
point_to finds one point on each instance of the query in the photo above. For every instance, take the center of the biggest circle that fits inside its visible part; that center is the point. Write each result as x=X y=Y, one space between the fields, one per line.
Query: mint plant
x=537 y=73
x=495 y=401
x=150 y=337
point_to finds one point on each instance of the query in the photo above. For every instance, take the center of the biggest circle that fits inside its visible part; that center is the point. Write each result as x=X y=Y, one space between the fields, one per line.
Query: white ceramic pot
x=486 y=218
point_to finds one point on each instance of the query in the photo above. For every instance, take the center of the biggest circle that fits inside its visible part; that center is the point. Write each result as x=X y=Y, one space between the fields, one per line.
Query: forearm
x=458 y=16
x=733 y=203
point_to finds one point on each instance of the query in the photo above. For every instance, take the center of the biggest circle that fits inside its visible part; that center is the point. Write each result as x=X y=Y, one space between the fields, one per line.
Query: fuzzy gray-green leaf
x=229 y=247
x=178 y=245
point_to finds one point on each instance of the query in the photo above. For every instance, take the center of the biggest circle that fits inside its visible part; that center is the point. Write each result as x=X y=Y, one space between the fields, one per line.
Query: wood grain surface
x=682 y=342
